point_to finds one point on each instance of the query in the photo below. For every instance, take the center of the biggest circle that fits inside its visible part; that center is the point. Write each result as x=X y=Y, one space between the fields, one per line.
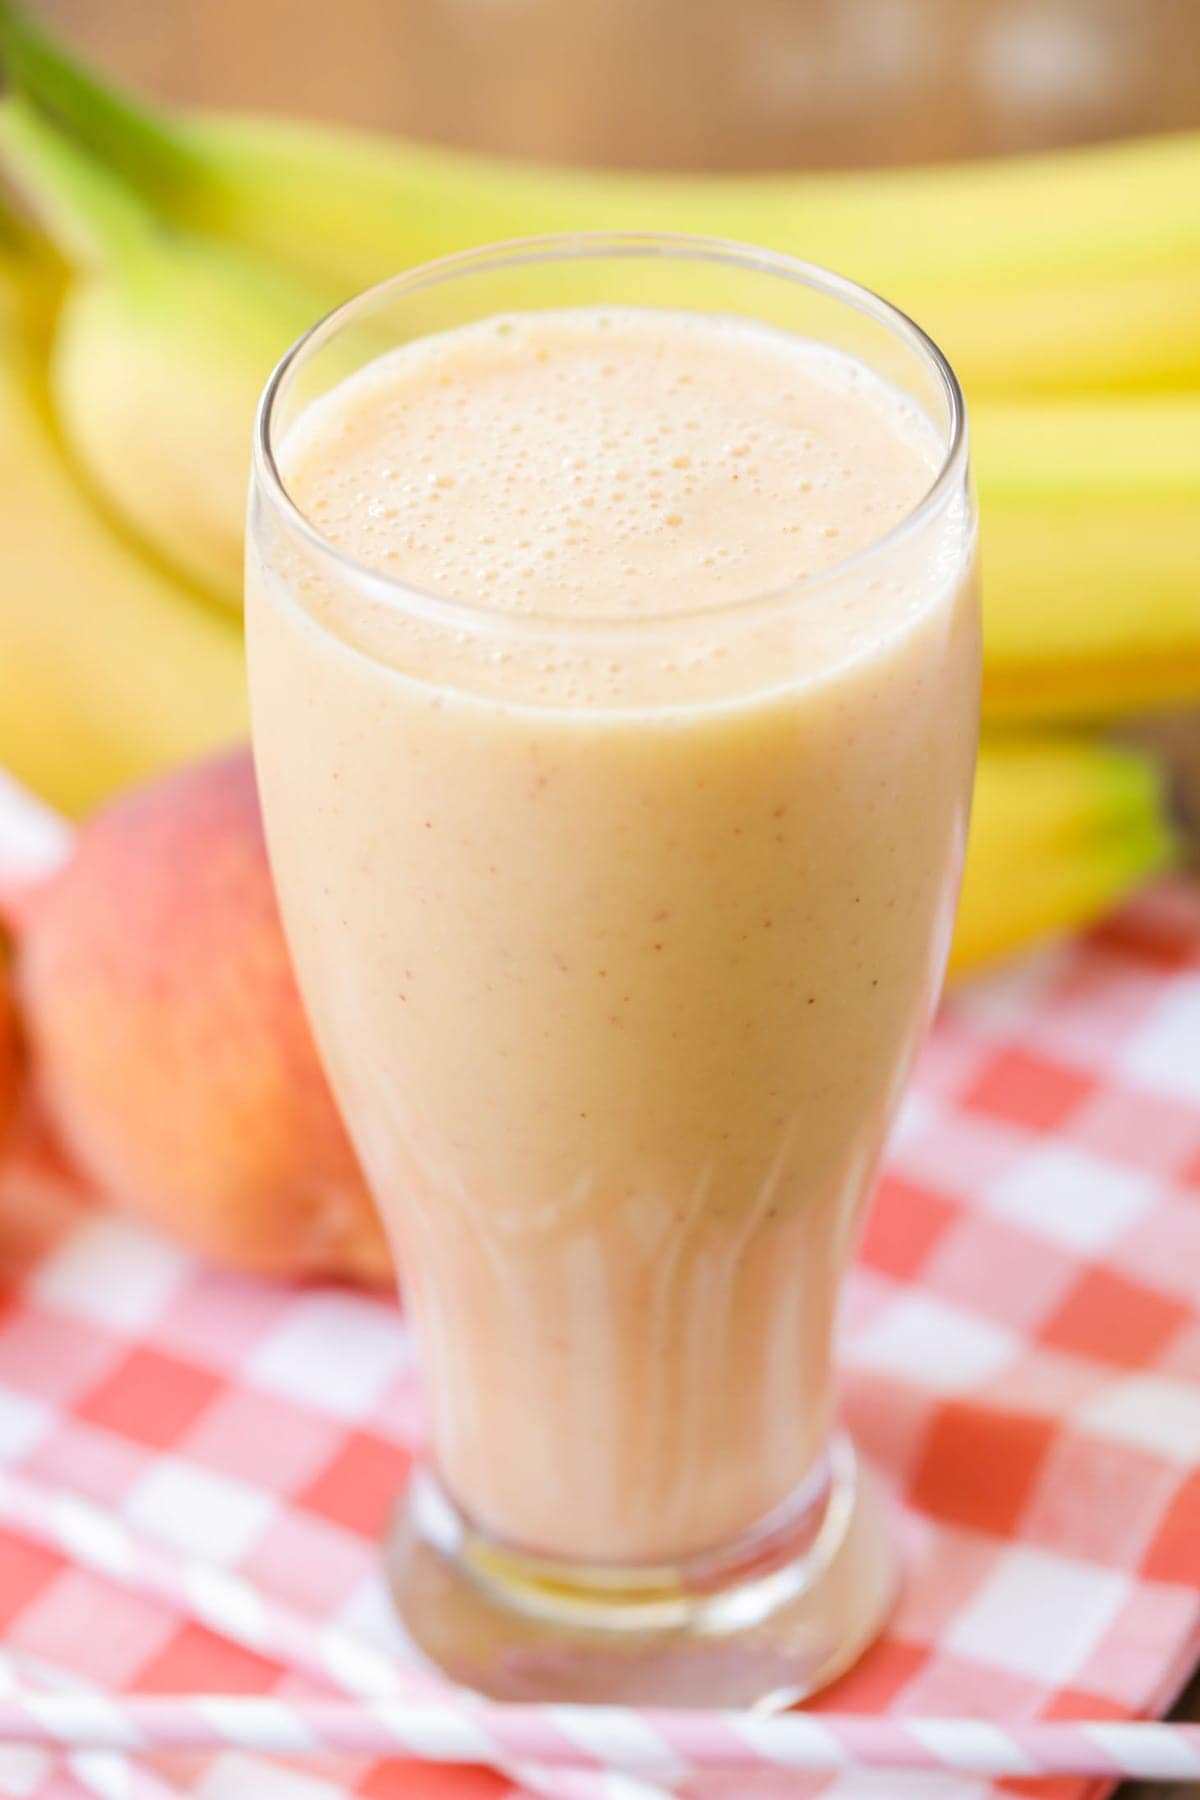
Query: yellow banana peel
x=1101 y=448
x=162 y=346
x=110 y=671
x=1091 y=553
x=1128 y=331
x=1062 y=828
x=1090 y=613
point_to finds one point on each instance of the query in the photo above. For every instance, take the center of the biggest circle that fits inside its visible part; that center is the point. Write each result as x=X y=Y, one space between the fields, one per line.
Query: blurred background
x=706 y=84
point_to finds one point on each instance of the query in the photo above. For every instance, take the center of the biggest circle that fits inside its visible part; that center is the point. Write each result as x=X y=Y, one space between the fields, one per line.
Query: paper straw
x=98 y=1772
x=241 y=1613
x=673 y=1743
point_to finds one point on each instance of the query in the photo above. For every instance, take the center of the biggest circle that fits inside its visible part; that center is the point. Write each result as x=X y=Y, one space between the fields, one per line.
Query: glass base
x=763 y=1625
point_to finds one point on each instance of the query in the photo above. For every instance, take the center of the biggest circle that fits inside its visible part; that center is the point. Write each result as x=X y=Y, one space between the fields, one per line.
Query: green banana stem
x=92 y=218
x=135 y=141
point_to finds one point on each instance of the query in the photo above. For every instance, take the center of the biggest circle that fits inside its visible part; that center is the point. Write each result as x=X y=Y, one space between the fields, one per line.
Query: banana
x=1088 y=613
x=1091 y=553
x=1091 y=506
x=163 y=343
x=1128 y=332
x=1062 y=828
x=1056 y=271
x=1100 y=448
x=110 y=671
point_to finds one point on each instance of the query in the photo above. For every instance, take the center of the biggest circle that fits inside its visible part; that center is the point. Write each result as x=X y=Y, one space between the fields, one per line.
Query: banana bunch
x=1066 y=289
x=109 y=668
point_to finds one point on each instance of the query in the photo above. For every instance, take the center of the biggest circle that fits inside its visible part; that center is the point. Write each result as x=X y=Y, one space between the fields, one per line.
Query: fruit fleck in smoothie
x=619 y=865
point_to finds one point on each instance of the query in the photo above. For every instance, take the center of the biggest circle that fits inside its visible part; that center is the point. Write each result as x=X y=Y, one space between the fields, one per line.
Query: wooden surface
x=677 y=83
x=1174 y=737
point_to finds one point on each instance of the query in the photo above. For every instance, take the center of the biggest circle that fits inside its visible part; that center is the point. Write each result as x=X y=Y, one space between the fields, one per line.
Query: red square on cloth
x=980 y=1465
x=903 y=1224
x=1029 y=1090
x=152 y=1397
x=360 y=1487
x=1174 y=1553
x=196 y=1660
x=874 y=1682
x=26 y=1570
x=1111 y=1319
x=423 y=1781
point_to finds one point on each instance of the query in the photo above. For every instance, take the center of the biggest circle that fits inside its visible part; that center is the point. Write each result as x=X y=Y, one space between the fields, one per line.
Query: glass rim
x=467 y=615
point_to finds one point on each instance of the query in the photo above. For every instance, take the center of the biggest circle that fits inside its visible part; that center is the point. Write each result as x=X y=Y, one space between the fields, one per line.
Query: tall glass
x=618 y=987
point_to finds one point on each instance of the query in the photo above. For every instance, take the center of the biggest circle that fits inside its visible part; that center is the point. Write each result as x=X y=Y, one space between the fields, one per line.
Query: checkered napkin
x=1021 y=1358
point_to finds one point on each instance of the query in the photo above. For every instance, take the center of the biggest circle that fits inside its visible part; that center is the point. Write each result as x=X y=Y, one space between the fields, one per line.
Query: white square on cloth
x=1038 y=1614
x=198 y=1511
x=1071 y=1198
x=939 y=1346
x=22 y=1422
x=335 y=1351
x=1150 y=1412
x=1163 y=1053
x=113 y=1273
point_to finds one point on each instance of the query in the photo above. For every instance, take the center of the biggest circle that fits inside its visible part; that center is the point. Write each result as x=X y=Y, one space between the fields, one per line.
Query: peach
x=168 y=1039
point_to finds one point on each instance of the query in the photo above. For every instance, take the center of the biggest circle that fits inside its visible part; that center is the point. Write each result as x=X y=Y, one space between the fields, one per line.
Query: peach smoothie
x=619 y=863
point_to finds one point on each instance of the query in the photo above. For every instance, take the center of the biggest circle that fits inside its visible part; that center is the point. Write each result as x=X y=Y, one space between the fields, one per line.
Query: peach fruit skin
x=168 y=1039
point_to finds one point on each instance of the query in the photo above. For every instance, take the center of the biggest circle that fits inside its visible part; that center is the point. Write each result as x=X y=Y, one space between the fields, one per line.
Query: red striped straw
x=98 y=1772
x=665 y=1745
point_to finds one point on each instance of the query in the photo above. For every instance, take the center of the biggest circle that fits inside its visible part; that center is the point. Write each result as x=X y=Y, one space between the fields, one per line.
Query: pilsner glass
x=619 y=930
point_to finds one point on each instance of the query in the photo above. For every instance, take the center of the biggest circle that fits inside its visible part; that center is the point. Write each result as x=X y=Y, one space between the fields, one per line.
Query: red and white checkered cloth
x=1021 y=1353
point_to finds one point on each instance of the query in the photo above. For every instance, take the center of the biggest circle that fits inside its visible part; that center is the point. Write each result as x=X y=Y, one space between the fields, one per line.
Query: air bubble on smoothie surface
x=625 y=451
